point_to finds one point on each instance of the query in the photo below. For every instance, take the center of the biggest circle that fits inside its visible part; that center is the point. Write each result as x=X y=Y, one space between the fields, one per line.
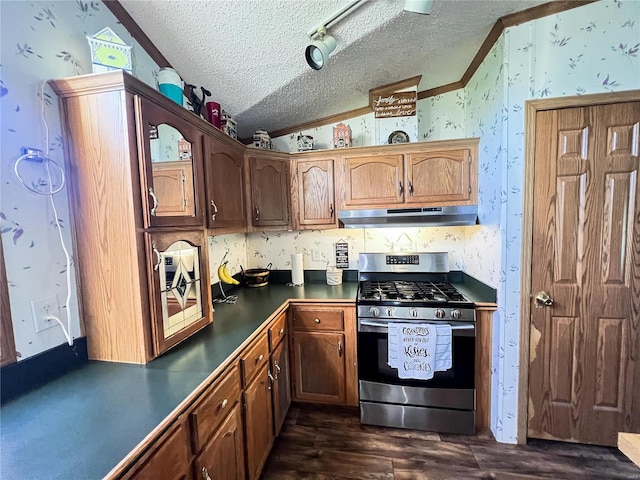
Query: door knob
x=543 y=299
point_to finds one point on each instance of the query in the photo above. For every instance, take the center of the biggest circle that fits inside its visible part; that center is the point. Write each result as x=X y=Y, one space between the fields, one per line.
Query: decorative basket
x=334 y=276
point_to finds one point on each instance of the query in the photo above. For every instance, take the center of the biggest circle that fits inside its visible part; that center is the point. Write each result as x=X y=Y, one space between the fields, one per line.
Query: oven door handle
x=384 y=326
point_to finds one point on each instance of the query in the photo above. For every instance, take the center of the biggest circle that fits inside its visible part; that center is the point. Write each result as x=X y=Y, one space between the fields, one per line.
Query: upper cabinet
x=268 y=189
x=171 y=166
x=422 y=174
x=224 y=174
x=313 y=198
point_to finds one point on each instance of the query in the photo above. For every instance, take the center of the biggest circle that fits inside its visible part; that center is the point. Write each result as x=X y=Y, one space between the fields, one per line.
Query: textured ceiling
x=250 y=53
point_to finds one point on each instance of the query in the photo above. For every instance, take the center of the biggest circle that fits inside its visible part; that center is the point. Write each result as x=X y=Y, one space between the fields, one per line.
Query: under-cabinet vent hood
x=410 y=217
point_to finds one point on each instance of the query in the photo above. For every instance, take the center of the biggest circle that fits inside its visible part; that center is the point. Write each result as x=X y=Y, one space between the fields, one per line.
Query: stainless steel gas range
x=413 y=289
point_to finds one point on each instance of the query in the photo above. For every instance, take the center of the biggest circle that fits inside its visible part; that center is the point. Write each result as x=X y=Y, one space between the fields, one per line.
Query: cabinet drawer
x=215 y=405
x=318 y=319
x=277 y=330
x=254 y=357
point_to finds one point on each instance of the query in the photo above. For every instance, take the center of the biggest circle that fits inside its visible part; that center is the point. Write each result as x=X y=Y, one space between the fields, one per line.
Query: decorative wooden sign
x=398 y=104
x=342 y=255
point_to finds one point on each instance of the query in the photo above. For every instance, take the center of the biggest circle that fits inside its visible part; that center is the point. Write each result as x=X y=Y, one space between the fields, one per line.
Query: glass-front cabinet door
x=171 y=167
x=180 y=297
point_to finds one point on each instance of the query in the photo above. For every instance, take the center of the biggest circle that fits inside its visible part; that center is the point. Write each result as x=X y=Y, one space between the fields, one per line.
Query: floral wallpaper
x=40 y=41
x=591 y=49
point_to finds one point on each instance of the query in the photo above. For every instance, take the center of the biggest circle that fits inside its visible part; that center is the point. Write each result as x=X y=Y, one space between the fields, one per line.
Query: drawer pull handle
x=275 y=364
x=281 y=331
x=339 y=348
x=260 y=358
x=158 y=257
x=271 y=380
x=205 y=474
x=317 y=320
x=155 y=202
x=225 y=402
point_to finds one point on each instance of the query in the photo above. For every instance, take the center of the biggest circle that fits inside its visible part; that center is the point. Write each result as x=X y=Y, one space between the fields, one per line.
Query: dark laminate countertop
x=83 y=424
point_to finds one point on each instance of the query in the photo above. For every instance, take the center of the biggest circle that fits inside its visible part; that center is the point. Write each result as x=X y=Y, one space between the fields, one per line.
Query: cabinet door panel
x=170 y=460
x=224 y=171
x=373 y=180
x=223 y=456
x=258 y=422
x=438 y=176
x=178 y=286
x=281 y=385
x=319 y=367
x=316 y=194
x=164 y=138
x=269 y=192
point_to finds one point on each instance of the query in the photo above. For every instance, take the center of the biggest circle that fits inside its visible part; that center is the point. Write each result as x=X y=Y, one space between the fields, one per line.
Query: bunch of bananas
x=225 y=276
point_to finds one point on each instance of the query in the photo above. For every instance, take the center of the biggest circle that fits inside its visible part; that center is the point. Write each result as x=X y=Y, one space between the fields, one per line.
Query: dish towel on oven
x=419 y=350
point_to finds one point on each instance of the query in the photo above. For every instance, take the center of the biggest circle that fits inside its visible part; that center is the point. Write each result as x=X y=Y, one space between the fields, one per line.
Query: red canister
x=213 y=113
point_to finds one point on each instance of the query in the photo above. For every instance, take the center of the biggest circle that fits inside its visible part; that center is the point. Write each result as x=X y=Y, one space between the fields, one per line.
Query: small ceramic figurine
x=342 y=136
x=228 y=125
x=196 y=102
x=305 y=142
x=261 y=139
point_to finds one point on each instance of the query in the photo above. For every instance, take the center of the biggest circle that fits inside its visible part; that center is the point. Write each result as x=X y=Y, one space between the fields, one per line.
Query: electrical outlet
x=42 y=307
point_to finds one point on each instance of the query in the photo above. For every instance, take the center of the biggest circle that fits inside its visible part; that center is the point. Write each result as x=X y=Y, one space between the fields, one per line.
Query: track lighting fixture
x=319 y=50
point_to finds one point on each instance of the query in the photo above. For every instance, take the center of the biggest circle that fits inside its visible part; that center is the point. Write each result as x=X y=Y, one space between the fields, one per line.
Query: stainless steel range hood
x=410 y=217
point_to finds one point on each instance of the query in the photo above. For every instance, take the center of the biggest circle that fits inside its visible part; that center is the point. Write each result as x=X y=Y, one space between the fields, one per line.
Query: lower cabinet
x=324 y=354
x=258 y=421
x=281 y=392
x=168 y=458
x=223 y=457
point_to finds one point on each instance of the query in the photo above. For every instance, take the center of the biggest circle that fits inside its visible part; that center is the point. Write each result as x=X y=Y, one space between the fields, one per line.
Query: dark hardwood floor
x=326 y=442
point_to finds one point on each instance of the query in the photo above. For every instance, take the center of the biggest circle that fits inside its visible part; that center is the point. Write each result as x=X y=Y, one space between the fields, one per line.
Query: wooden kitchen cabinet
x=313 y=194
x=324 y=354
x=422 y=174
x=223 y=456
x=168 y=458
x=167 y=141
x=258 y=421
x=281 y=391
x=225 y=185
x=268 y=189
x=179 y=286
x=373 y=180
x=121 y=137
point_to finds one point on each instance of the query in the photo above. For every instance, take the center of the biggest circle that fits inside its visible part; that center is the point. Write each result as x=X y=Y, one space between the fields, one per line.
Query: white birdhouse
x=109 y=52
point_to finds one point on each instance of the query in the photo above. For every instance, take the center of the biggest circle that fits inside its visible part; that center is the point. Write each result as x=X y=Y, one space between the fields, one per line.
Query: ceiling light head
x=317 y=53
x=418 y=6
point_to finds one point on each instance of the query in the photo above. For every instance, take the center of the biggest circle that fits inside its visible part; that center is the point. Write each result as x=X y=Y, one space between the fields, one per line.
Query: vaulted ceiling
x=250 y=53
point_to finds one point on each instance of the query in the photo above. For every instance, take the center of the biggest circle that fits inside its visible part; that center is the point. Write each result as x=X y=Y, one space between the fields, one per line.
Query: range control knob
x=440 y=313
x=456 y=314
x=374 y=311
x=414 y=312
x=389 y=312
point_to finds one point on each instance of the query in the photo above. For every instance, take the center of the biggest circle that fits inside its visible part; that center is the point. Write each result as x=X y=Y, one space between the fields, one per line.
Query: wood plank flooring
x=328 y=443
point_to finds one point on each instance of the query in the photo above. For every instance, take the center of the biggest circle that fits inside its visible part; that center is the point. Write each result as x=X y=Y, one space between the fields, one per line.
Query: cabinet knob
x=317 y=320
x=224 y=403
x=260 y=358
x=339 y=348
x=281 y=331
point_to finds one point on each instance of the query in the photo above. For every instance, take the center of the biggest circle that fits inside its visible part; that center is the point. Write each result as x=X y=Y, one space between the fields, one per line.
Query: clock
x=398 y=137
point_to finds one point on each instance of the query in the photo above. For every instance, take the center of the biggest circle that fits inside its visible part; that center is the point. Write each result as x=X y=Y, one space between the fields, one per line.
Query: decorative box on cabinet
x=225 y=184
x=117 y=129
x=429 y=173
x=324 y=354
x=267 y=189
x=313 y=194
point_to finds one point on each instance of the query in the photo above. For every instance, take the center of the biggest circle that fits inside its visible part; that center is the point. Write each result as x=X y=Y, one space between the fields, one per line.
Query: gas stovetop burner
x=407 y=292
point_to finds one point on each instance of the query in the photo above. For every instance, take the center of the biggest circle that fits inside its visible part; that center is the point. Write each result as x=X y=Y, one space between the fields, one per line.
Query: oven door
x=378 y=382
